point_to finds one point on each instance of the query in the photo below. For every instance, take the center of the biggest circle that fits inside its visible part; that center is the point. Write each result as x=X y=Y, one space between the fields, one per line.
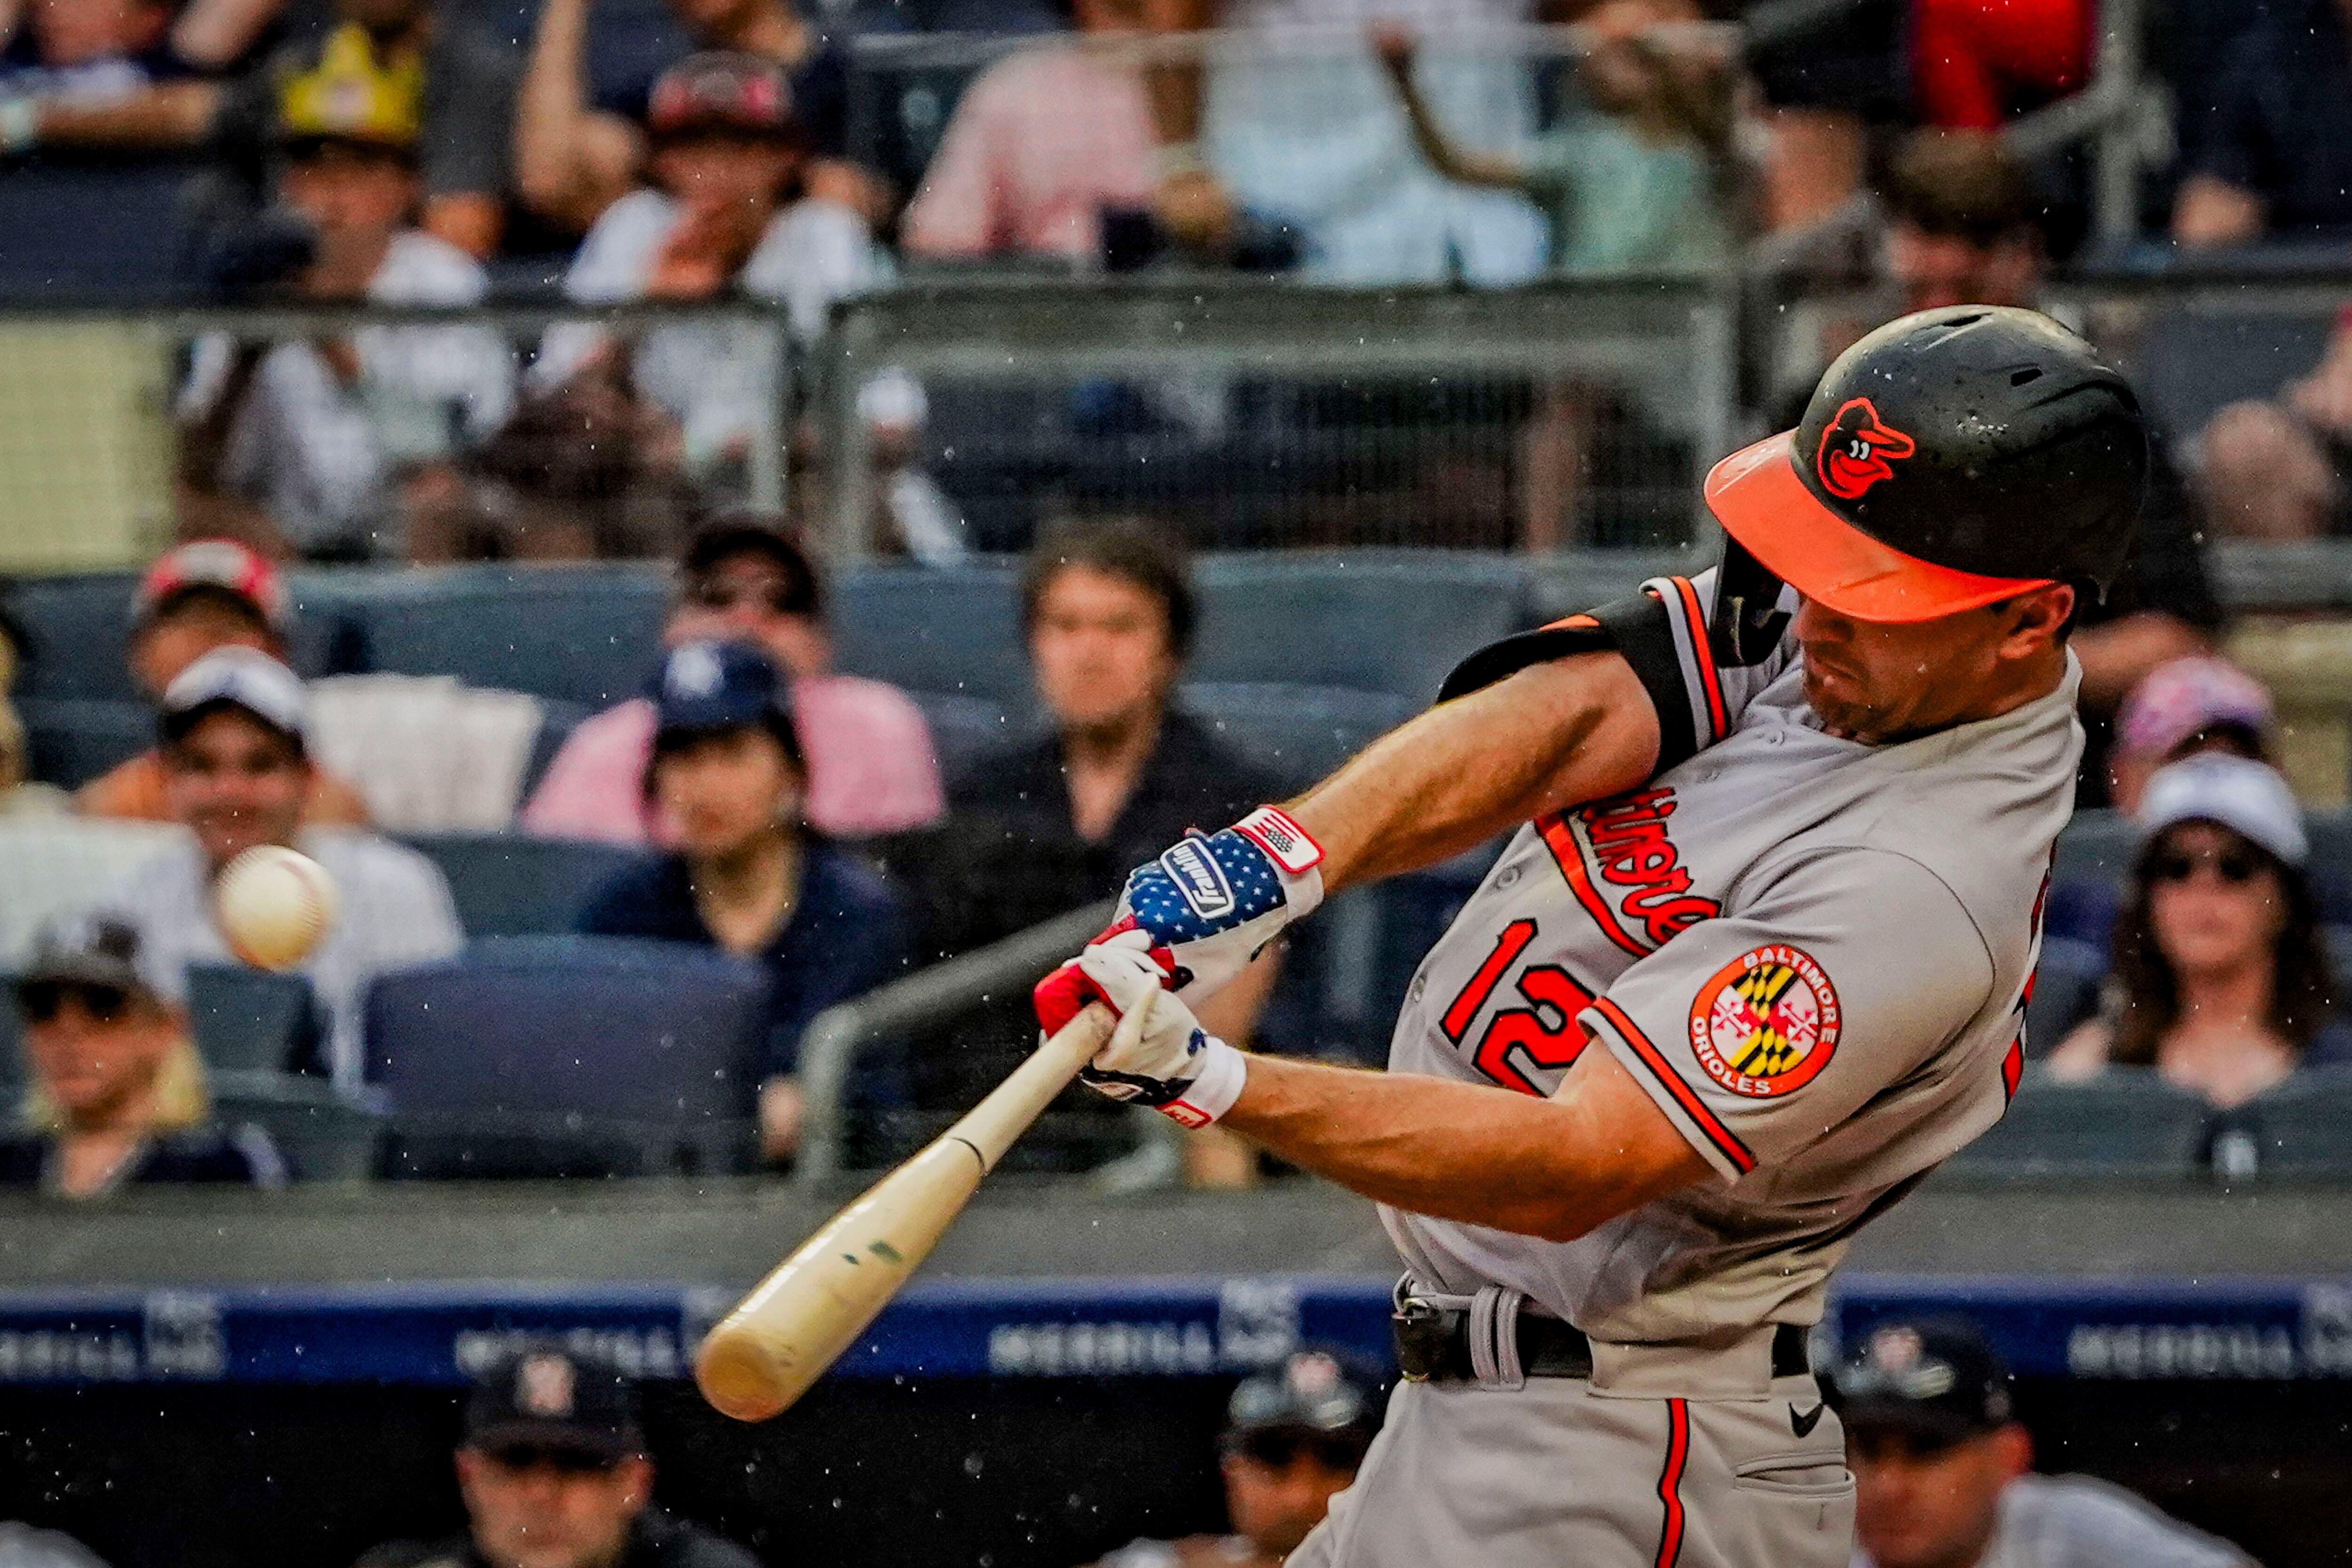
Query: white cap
x=2246 y=796
x=243 y=677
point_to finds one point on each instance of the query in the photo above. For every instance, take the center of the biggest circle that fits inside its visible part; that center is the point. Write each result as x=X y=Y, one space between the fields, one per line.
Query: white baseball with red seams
x=273 y=905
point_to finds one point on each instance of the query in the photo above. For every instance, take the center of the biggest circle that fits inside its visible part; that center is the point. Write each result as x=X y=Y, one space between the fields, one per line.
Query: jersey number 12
x=1543 y=1035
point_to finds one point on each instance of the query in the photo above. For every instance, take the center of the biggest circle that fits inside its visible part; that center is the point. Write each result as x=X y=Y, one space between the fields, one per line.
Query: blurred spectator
x=205 y=595
x=1943 y=1470
x=2273 y=157
x=322 y=435
x=1960 y=230
x=1647 y=182
x=915 y=518
x=1047 y=141
x=1050 y=824
x=236 y=770
x=2222 y=981
x=870 y=764
x=1295 y=1437
x=1295 y=120
x=2282 y=469
x=748 y=876
x=589 y=468
x=118 y=1092
x=18 y=795
x=2184 y=707
x=554 y=1474
x=718 y=221
x=103 y=51
x=581 y=146
x=387 y=61
x=1974 y=63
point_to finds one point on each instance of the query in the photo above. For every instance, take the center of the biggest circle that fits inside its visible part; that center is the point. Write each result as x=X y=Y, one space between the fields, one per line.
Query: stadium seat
x=75 y=740
x=585 y=634
x=79 y=625
x=84 y=231
x=2302 y=1128
x=2096 y=846
x=2127 y=1121
x=1300 y=733
x=2065 y=992
x=322 y=1136
x=966 y=728
x=1377 y=620
x=568 y=1056
x=249 y=1020
x=955 y=631
x=51 y=865
x=508 y=885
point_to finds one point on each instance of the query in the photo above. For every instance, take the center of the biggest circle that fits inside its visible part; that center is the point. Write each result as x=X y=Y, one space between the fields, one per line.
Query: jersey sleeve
x=1662 y=632
x=1761 y=1030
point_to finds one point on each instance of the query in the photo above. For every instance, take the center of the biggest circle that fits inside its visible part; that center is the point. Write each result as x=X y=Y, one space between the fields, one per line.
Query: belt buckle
x=1423 y=1332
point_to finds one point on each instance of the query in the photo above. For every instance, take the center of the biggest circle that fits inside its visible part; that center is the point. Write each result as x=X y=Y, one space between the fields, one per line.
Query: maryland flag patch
x=1766 y=1023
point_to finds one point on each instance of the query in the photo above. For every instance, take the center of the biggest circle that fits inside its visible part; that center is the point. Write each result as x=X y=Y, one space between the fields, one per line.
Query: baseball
x=274 y=904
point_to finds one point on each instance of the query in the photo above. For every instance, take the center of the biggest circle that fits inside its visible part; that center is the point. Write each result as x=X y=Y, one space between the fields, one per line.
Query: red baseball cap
x=221 y=563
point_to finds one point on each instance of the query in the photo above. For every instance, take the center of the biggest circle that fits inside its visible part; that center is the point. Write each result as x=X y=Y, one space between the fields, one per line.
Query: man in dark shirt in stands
x=1055 y=823
x=461 y=81
x=554 y=1474
x=1960 y=230
x=2272 y=145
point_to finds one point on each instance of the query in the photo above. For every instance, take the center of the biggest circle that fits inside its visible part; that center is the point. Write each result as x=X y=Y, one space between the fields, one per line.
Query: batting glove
x=1207 y=905
x=1158 y=1056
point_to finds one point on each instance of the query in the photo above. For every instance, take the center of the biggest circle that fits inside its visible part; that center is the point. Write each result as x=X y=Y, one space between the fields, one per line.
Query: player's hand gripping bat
x=780 y=1338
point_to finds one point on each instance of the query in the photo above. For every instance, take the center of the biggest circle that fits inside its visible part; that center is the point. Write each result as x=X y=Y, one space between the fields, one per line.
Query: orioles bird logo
x=1857 y=448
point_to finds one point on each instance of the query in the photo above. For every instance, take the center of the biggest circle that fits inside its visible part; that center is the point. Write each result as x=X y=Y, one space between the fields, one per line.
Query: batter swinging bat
x=796 y=1321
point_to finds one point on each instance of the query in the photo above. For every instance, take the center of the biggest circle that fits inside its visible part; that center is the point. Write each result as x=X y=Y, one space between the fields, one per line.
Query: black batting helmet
x=1948 y=460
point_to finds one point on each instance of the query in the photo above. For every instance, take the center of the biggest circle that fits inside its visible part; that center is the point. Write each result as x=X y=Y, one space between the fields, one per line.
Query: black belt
x=1433 y=1343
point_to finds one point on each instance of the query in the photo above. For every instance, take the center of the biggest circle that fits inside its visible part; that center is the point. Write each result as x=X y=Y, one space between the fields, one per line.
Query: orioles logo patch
x=1857 y=450
x=1766 y=1023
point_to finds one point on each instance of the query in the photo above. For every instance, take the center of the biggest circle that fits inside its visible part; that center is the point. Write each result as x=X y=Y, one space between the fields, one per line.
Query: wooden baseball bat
x=780 y=1338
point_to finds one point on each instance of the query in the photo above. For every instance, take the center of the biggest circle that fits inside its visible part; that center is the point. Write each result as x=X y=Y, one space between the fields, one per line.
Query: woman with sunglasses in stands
x=2221 y=980
x=117 y=1096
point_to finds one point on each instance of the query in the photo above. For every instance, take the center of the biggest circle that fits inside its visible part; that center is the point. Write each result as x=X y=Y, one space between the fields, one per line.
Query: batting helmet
x=1948 y=460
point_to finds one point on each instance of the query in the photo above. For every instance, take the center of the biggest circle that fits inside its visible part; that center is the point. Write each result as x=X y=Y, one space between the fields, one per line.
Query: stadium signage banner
x=439 y=1334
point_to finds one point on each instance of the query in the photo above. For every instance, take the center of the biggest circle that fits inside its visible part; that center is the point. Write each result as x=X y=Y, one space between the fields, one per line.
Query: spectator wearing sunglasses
x=554 y=1474
x=117 y=1097
x=1295 y=1437
x=2222 y=981
x=871 y=767
x=1943 y=1470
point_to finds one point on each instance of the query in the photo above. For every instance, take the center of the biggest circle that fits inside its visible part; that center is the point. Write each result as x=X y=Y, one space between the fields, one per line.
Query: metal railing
x=830 y=1048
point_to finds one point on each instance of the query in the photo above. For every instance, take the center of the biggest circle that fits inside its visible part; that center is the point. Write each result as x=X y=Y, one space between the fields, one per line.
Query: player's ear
x=2040 y=618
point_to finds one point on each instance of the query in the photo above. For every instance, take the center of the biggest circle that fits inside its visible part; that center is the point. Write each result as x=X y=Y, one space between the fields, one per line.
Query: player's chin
x=1837 y=699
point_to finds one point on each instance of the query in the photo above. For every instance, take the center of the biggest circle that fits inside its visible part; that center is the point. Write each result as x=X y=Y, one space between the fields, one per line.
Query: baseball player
x=1755 y=962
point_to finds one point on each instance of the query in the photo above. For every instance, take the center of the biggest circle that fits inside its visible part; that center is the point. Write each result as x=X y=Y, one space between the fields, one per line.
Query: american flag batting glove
x=1207 y=905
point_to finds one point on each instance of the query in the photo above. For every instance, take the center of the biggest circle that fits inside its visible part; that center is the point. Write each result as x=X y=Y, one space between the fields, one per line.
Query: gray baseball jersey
x=1812 y=953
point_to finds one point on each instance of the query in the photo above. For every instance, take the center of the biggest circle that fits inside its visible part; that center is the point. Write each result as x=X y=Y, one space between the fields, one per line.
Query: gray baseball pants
x=1613 y=1472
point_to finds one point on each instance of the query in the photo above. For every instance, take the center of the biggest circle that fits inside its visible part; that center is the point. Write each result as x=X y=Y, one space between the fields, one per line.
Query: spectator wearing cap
x=720 y=218
x=440 y=73
x=1943 y=1470
x=117 y=1094
x=2184 y=707
x=553 y=1473
x=584 y=133
x=1294 y=1438
x=2222 y=981
x=748 y=876
x=205 y=595
x=871 y=768
x=315 y=445
x=236 y=770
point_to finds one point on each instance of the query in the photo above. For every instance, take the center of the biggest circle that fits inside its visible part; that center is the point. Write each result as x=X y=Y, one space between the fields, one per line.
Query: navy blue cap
x=1935 y=1379
x=707 y=686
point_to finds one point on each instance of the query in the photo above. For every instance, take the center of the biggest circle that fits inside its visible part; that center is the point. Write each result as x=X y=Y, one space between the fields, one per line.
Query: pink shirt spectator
x=871 y=767
x=1039 y=145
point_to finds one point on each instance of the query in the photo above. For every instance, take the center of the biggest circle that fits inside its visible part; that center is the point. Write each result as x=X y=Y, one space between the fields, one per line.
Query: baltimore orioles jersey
x=1812 y=954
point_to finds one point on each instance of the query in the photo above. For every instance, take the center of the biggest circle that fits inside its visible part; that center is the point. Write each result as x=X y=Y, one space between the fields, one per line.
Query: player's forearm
x=1551 y=736
x=1552 y=1168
